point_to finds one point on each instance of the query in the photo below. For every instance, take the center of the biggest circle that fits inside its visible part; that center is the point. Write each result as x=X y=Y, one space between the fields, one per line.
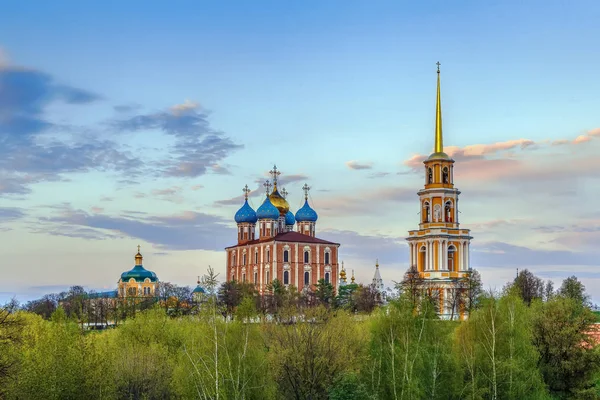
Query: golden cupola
x=276 y=198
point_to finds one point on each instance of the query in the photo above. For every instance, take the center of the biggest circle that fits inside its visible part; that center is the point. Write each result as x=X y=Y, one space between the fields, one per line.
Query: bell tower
x=439 y=249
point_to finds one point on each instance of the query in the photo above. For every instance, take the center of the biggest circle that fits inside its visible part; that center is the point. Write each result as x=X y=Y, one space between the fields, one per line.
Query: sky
x=126 y=123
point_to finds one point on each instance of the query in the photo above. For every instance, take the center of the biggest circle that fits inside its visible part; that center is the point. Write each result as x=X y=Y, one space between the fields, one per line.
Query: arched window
x=306 y=278
x=451 y=253
x=244 y=277
x=268 y=256
x=306 y=256
x=448 y=211
x=256 y=256
x=445 y=175
x=286 y=277
x=326 y=257
x=267 y=280
x=255 y=277
x=429 y=175
x=286 y=256
x=131 y=291
x=232 y=276
x=244 y=259
x=426 y=212
x=232 y=258
x=326 y=277
x=422 y=259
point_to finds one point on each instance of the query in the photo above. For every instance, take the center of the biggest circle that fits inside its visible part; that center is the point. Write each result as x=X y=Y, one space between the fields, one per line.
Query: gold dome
x=343 y=275
x=279 y=202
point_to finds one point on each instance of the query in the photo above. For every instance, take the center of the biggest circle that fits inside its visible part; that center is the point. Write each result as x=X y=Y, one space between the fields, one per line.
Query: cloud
x=8 y=214
x=127 y=108
x=379 y=175
x=362 y=204
x=185 y=231
x=389 y=250
x=582 y=139
x=358 y=165
x=97 y=210
x=196 y=187
x=172 y=194
x=198 y=146
x=594 y=132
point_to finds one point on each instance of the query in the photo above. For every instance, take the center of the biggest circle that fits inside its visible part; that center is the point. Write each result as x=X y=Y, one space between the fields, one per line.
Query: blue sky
x=139 y=122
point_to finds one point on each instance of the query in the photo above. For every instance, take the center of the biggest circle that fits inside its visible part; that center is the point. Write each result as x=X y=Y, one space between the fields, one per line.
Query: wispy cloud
x=356 y=165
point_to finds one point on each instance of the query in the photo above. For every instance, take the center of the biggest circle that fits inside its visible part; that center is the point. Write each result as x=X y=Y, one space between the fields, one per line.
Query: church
x=284 y=246
x=439 y=249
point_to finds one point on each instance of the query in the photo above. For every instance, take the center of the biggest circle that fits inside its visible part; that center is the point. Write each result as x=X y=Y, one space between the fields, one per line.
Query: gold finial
x=377 y=263
x=306 y=189
x=267 y=186
x=275 y=173
x=284 y=193
x=139 y=248
x=352 y=276
x=198 y=279
x=439 y=143
x=138 y=257
x=246 y=192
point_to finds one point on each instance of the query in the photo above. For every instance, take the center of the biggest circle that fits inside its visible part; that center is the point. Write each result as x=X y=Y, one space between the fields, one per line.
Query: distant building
x=138 y=282
x=439 y=249
x=273 y=250
x=378 y=282
x=198 y=293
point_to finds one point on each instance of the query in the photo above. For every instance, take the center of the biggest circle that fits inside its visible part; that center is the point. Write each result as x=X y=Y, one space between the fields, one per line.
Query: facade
x=138 y=282
x=439 y=249
x=274 y=250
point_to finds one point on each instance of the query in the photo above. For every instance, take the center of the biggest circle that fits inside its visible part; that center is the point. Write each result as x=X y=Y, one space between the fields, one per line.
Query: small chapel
x=274 y=243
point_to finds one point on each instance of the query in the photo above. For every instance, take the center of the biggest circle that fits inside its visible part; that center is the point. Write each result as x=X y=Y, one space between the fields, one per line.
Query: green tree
x=325 y=293
x=572 y=288
x=528 y=286
x=568 y=361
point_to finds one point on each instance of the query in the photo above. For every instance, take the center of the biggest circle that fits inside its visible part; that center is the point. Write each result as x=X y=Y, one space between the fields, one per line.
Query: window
x=326 y=257
x=286 y=277
x=286 y=256
x=422 y=259
x=233 y=258
x=451 y=252
x=244 y=277
x=255 y=277
x=326 y=277
x=146 y=291
x=268 y=256
x=306 y=257
x=232 y=276
x=131 y=291
x=306 y=278
x=256 y=257
x=429 y=175
x=448 y=212
x=244 y=259
x=426 y=212
x=267 y=280
x=445 y=175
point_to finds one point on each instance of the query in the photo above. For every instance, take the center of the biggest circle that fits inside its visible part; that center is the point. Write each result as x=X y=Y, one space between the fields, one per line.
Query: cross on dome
x=138 y=248
x=438 y=65
x=246 y=192
x=284 y=193
x=306 y=189
x=267 y=186
x=274 y=174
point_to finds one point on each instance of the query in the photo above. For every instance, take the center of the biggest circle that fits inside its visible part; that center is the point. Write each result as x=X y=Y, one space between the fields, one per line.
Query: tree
x=411 y=286
x=528 y=286
x=572 y=288
x=366 y=298
x=11 y=327
x=568 y=360
x=325 y=293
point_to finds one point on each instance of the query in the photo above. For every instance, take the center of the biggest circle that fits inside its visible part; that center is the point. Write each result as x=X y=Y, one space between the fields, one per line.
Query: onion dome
x=306 y=214
x=139 y=273
x=267 y=210
x=279 y=201
x=199 y=289
x=245 y=214
x=289 y=218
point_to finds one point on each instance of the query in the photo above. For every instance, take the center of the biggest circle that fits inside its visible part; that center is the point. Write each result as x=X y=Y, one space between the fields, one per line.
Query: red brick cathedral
x=274 y=249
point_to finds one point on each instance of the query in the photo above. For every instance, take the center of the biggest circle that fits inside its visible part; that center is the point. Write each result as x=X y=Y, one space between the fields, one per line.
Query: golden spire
x=138 y=257
x=377 y=263
x=439 y=142
x=352 y=276
x=343 y=273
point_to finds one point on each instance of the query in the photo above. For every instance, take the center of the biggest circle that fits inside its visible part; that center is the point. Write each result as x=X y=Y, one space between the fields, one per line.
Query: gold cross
x=284 y=193
x=246 y=192
x=267 y=186
x=138 y=248
x=306 y=188
x=274 y=173
x=438 y=65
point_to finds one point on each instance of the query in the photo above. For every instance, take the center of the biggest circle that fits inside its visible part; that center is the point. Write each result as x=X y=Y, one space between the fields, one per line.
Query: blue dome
x=267 y=210
x=289 y=218
x=306 y=214
x=245 y=214
x=140 y=274
x=199 y=289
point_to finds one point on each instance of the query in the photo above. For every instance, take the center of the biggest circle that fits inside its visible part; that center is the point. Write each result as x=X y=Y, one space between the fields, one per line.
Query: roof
x=295 y=237
x=140 y=274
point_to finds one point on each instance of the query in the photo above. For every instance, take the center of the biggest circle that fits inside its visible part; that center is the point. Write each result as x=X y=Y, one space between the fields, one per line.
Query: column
x=319 y=263
x=459 y=256
x=431 y=255
x=445 y=255
x=296 y=266
x=468 y=257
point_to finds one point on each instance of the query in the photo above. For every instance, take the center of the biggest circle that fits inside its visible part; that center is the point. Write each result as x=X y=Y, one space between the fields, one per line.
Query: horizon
x=142 y=126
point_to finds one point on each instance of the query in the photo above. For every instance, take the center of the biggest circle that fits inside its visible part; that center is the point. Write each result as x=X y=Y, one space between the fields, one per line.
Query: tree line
x=528 y=341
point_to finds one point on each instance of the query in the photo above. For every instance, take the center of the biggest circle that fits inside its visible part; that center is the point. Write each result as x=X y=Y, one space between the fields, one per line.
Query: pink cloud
x=594 y=132
x=582 y=139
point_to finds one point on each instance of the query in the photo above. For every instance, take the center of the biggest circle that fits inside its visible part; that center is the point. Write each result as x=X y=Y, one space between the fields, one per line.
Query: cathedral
x=439 y=249
x=283 y=246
